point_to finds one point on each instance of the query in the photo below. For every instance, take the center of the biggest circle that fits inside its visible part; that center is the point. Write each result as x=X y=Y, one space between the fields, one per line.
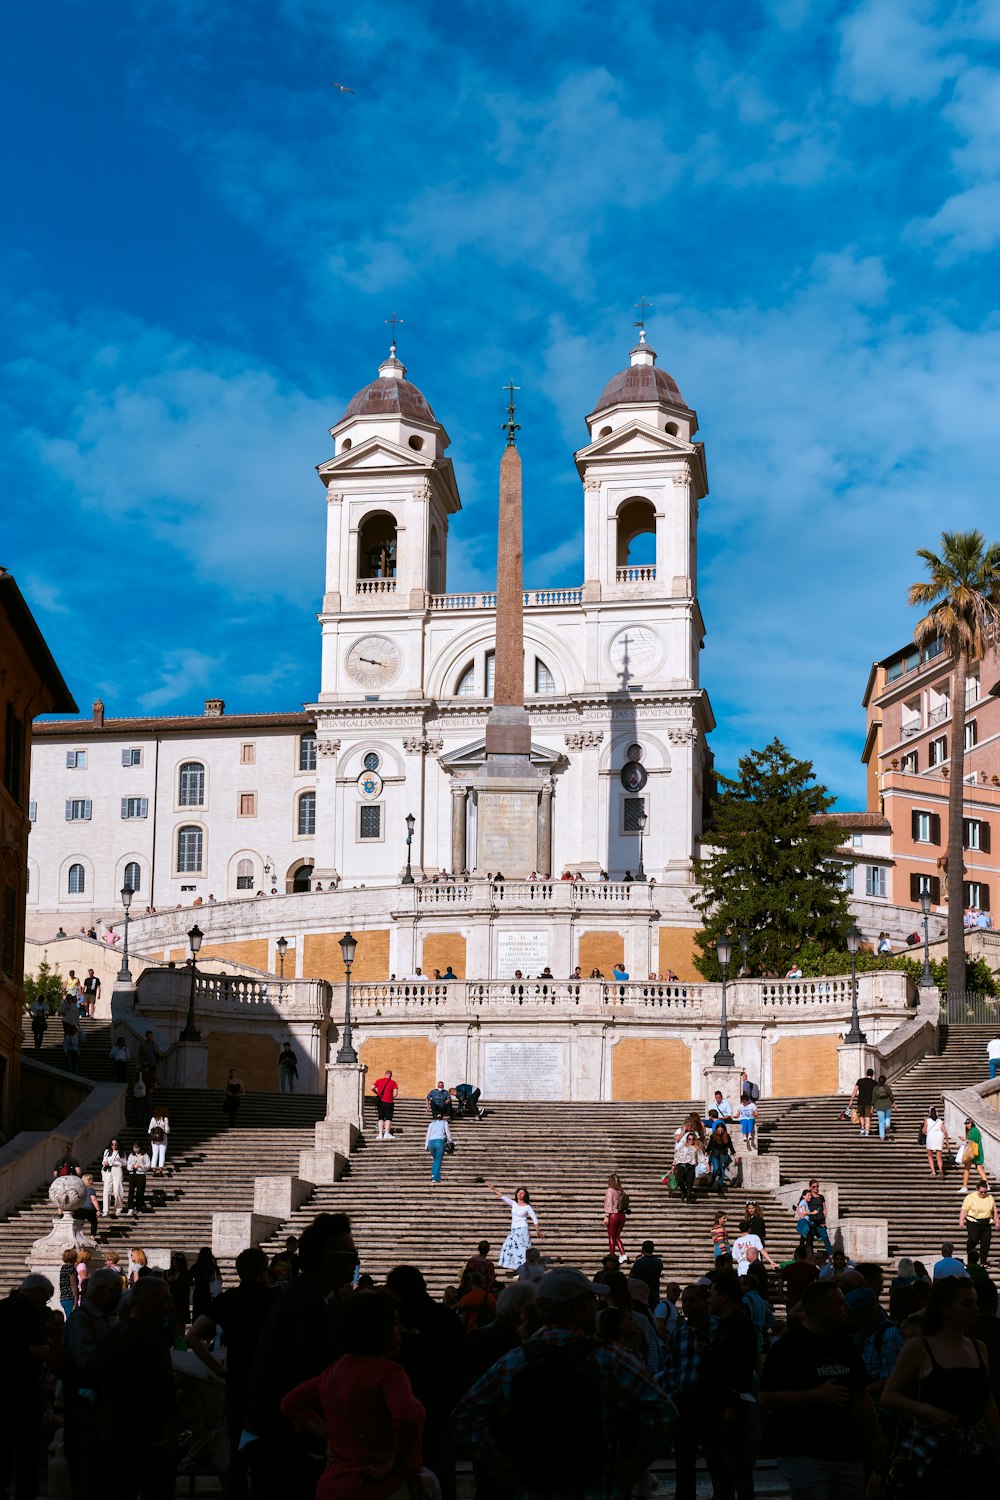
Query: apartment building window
x=76 y=880
x=135 y=807
x=976 y=834
x=132 y=757
x=929 y=883
x=971 y=734
x=190 y=846
x=79 y=810
x=911 y=722
x=32 y=812
x=856 y=840
x=191 y=784
x=307 y=752
x=937 y=752
x=976 y=893
x=875 y=881
x=76 y=760
x=910 y=763
x=305 y=822
x=925 y=827
x=845 y=878
x=248 y=754
x=971 y=690
x=133 y=875
x=370 y=825
x=248 y=804
x=244 y=875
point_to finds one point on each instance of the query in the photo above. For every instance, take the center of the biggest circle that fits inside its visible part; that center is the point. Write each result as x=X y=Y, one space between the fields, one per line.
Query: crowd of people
x=551 y=1382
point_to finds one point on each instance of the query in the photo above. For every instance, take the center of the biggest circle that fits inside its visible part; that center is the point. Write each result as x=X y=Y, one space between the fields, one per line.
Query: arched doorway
x=299 y=878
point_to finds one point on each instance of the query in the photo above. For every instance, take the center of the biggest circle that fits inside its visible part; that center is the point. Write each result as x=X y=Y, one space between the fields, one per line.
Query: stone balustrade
x=484 y=599
x=552 y=895
x=234 y=994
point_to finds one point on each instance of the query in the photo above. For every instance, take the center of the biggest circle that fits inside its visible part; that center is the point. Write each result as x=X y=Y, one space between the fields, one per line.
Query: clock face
x=634 y=650
x=373 y=661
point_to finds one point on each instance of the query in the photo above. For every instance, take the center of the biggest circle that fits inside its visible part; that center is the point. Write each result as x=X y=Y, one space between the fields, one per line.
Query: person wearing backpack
x=562 y=1403
x=159 y=1129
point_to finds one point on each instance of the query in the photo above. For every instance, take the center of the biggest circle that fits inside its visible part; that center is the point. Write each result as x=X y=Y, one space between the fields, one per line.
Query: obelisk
x=507 y=791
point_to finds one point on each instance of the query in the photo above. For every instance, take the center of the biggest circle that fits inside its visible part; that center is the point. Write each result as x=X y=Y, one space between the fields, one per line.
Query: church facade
x=231 y=807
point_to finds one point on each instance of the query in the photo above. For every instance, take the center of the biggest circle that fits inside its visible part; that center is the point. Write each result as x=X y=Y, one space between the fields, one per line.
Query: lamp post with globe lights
x=282 y=948
x=190 y=1032
x=855 y=1035
x=125 y=973
x=348 y=948
x=641 y=818
x=926 y=978
x=724 y=952
x=410 y=824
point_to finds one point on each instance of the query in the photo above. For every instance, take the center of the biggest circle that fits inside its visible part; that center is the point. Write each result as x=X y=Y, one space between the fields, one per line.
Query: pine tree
x=767 y=871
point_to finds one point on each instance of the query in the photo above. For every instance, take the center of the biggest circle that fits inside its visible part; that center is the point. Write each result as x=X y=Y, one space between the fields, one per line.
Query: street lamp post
x=855 y=1035
x=348 y=948
x=926 y=978
x=408 y=877
x=724 y=952
x=190 y=1032
x=640 y=823
x=282 y=947
x=125 y=973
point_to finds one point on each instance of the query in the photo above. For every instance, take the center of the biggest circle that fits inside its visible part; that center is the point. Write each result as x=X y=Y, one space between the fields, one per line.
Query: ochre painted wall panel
x=441 y=949
x=804 y=1065
x=599 y=950
x=322 y=958
x=413 y=1060
x=650 y=1068
x=677 y=951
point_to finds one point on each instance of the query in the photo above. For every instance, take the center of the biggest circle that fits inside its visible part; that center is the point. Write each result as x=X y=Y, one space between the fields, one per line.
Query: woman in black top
x=942 y=1383
x=206 y=1282
x=752 y=1221
x=231 y=1098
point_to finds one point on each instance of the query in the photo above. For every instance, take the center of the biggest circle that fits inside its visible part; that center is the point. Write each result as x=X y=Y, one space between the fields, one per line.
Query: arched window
x=636 y=534
x=133 y=875
x=244 y=875
x=191 y=789
x=467 y=682
x=76 y=883
x=435 y=573
x=306 y=821
x=544 y=680
x=190 y=844
x=307 y=752
x=491 y=672
x=377 y=546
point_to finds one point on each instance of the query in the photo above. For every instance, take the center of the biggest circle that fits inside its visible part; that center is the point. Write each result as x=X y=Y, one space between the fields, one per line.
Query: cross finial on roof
x=510 y=426
x=642 y=307
x=393 y=319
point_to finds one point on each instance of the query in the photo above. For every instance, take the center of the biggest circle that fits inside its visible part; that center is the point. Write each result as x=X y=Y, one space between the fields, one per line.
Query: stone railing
x=635 y=573
x=881 y=994
x=240 y=994
x=376 y=586
x=533 y=599
x=554 y=895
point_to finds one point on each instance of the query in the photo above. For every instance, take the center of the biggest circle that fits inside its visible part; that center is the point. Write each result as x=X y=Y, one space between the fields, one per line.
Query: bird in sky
x=342 y=87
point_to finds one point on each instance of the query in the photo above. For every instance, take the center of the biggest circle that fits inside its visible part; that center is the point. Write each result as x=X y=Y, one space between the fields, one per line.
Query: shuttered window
x=78 y=810
x=135 y=807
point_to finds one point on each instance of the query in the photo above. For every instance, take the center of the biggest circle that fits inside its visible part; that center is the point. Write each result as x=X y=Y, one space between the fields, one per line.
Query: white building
x=227 y=806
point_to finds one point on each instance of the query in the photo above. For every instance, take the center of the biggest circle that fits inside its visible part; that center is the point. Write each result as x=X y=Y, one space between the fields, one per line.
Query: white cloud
x=897 y=54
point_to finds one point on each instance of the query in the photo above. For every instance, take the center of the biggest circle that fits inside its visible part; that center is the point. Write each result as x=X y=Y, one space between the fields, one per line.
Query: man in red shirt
x=385 y=1091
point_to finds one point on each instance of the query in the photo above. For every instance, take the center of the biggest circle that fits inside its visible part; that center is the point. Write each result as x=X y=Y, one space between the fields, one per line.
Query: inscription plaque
x=507 y=827
x=524 y=1070
x=527 y=951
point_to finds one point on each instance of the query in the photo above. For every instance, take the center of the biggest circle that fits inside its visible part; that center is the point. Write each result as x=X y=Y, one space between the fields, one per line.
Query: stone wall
x=441 y=949
x=254 y=1056
x=650 y=1068
x=804 y=1065
x=413 y=1060
x=322 y=958
x=600 y=950
x=251 y=952
x=677 y=951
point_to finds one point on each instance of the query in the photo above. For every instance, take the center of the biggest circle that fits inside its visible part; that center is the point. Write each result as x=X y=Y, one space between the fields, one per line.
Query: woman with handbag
x=113 y=1177
x=159 y=1129
x=941 y=1382
x=615 y=1203
x=935 y=1141
x=972 y=1155
x=436 y=1141
x=720 y=1154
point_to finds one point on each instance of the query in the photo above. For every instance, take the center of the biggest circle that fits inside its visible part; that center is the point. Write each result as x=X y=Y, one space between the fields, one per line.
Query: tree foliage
x=817 y=961
x=46 y=985
x=767 y=870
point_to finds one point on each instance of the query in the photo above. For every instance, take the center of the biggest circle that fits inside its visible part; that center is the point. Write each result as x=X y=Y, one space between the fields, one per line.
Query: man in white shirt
x=993 y=1055
x=746 y=1249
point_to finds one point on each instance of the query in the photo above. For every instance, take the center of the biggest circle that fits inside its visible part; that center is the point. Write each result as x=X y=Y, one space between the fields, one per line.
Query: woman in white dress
x=935 y=1140
x=159 y=1129
x=514 y=1249
x=113 y=1177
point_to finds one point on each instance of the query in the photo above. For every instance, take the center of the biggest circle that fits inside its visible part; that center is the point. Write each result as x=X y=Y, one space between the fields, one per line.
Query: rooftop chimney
x=214 y=708
x=98 y=711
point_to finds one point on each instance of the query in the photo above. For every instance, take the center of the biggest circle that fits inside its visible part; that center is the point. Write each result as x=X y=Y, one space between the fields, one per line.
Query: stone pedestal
x=761 y=1173
x=185 y=1066
x=232 y=1233
x=507 y=833
x=345 y=1092
x=853 y=1062
x=726 y=1079
x=279 y=1197
x=122 y=999
x=322 y=1167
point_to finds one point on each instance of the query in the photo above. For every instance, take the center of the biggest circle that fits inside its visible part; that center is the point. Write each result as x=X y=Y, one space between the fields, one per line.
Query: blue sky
x=202 y=239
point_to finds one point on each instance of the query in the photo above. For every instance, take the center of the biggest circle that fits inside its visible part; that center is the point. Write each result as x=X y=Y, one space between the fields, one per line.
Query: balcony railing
x=911 y=729
x=645 y=573
x=533 y=599
x=376 y=585
x=939 y=714
x=550 y=895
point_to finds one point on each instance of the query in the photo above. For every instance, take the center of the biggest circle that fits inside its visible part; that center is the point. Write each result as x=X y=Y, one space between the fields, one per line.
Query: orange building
x=908 y=702
x=30 y=684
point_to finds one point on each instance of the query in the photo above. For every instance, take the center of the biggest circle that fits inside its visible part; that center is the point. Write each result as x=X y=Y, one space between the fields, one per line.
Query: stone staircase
x=563 y=1153
x=891 y=1180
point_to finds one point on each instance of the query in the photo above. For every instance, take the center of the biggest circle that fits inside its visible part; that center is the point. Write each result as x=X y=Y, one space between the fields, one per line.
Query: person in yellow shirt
x=979 y=1219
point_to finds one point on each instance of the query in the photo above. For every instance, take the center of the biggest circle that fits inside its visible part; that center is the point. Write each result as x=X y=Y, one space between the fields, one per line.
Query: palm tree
x=962 y=598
